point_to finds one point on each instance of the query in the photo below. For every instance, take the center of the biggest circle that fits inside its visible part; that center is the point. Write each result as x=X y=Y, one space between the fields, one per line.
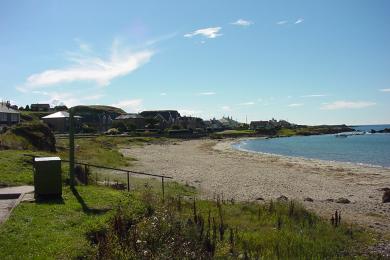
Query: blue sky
x=310 y=62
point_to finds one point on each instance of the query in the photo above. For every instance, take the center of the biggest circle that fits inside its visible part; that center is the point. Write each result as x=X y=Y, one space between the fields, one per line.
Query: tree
x=61 y=108
x=27 y=108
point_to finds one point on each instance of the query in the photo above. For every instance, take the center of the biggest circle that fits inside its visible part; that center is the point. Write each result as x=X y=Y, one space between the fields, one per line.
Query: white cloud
x=91 y=68
x=346 y=105
x=211 y=33
x=130 y=105
x=295 y=105
x=247 y=103
x=67 y=98
x=314 y=95
x=242 y=22
x=163 y=94
x=385 y=90
x=281 y=22
x=300 y=20
x=207 y=93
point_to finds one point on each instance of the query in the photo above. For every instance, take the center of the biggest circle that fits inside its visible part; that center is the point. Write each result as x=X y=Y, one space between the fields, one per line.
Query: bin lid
x=45 y=159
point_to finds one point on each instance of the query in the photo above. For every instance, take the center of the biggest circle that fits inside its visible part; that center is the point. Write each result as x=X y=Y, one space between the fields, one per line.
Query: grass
x=286 y=132
x=56 y=230
x=103 y=150
x=181 y=228
x=15 y=168
x=233 y=133
x=100 y=222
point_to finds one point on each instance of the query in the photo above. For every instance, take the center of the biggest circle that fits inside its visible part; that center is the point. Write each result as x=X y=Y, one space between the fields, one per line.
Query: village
x=109 y=120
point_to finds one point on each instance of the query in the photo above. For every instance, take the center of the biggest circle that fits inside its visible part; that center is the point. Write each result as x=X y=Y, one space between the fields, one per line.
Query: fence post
x=71 y=147
x=163 y=190
x=128 y=181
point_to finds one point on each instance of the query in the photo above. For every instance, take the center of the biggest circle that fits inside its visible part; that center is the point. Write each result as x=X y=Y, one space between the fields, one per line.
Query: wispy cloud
x=91 y=68
x=83 y=45
x=282 y=22
x=250 y=103
x=385 y=90
x=314 y=95
x=211 y=32
x=347 y=105
x=242 y=22
x=300 y=20
x=295 y=105
x=163 y=94
x=207 y=93
x=130 y=105
x=69 y=99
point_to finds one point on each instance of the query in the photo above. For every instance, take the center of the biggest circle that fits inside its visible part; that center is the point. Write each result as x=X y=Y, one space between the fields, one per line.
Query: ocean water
x=371 y=149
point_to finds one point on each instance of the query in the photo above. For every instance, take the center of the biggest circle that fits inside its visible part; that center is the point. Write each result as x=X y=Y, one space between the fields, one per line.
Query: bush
x=88 y=129
x=29 y=135
x=113 y=131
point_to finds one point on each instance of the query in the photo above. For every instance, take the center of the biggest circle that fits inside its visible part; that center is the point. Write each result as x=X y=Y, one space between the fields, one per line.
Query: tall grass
x=187 y=228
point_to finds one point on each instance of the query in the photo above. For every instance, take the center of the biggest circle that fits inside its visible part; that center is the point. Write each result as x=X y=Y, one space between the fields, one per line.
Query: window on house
x=14 y=117
x=3 y=117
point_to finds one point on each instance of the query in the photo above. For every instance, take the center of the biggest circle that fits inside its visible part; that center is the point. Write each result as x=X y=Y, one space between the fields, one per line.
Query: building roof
x=40 y=105
x=5 y=109
x=59 y=114
x=128 y=116
x=167 y=115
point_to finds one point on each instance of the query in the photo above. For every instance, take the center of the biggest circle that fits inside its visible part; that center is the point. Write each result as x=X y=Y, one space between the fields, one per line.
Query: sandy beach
x=214 y=167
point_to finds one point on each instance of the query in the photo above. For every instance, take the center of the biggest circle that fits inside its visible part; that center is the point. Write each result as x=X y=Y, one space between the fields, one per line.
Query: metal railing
x=162 y=177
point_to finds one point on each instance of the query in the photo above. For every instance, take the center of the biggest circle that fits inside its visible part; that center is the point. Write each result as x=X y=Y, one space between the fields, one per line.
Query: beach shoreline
x=216 y=168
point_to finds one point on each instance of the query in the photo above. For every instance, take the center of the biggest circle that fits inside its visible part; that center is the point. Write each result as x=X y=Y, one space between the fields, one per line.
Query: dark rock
x=384 y=189
x=282 y=198
x=386 y=197
x=259 y=198
x=330 y=200
x=308 y=199
x=343 y=201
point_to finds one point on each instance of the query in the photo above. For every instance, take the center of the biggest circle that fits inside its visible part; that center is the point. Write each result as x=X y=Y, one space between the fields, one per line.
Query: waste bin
x=47 y=177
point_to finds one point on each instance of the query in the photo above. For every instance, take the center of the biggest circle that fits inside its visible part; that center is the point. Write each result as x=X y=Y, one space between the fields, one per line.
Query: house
x=59 y=121
x=189 y=122
x=8 y=116
x=271 y=124
x=162 y=118
x=40 y=107
x=229 y=123
x=254 y=125
x=213 y=125
x=136 y=120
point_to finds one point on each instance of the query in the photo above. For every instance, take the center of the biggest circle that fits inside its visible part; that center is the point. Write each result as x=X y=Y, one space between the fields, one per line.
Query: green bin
x=47 y=177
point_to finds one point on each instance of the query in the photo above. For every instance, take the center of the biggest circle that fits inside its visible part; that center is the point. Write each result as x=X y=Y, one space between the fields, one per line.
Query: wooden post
x=163 y=190
x=71 y=147
x=128 y=181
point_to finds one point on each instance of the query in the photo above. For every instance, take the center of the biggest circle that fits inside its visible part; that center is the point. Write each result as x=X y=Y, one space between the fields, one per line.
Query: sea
x=366 y=149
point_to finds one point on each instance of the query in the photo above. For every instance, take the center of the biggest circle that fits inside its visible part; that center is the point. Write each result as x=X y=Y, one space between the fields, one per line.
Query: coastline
x=215 y=167
x=238 y=140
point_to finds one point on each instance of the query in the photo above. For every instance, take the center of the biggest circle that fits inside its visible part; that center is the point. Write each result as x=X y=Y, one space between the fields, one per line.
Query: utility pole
x=71 y=147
